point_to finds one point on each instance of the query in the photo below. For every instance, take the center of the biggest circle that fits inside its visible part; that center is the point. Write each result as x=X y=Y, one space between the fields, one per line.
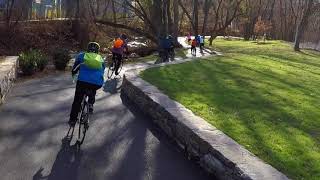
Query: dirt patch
x=45 y=37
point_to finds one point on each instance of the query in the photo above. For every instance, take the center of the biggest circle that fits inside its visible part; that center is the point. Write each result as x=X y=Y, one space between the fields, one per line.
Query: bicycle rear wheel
x=83 y=121
x=111 y=70
x=119 y=66
x=172 y=55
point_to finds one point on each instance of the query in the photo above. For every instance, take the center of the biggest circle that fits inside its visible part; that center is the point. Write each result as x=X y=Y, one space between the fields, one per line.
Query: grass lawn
x=266 y=97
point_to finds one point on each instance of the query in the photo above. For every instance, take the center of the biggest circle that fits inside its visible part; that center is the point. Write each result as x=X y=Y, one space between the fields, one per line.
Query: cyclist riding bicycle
x=90 y=66
x=198 y=40
x=166 y=47
x=120 y=46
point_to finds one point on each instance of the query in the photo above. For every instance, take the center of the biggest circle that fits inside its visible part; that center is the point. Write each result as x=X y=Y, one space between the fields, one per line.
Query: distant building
x=44 y=9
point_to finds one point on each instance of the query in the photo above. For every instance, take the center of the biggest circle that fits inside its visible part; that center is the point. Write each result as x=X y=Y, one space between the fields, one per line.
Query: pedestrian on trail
x=193 y=47
x=189 y=37
x=201 y=40
x=198 y=39
x=165 y=46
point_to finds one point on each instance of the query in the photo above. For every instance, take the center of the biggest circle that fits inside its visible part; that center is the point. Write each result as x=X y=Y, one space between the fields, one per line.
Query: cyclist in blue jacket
x=90 y=66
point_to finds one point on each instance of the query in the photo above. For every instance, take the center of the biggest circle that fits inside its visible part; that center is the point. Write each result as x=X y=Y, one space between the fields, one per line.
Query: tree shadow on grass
x=265 y=122
x=310 y=52
x=246 y=99
x=262 y=43
x=248 y=95
x=269 y=75
x=284 y=57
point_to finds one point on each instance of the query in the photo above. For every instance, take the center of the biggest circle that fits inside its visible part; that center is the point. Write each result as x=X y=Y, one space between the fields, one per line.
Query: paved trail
x=121 y=144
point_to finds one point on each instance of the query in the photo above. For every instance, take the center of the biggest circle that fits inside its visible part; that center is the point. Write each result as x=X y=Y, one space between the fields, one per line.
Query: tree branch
x=132 y=29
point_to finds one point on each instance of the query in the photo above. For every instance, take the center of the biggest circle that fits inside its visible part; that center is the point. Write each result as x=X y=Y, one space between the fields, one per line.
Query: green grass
x=264 y=96
x=181 y=53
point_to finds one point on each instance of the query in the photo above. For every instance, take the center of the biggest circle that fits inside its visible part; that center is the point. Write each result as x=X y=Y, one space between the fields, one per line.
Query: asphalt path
x=121 y=143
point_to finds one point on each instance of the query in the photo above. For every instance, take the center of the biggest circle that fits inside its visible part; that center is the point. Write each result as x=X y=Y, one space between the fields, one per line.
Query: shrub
x=27 y=64
x=41 y=59
x=61 y=58
x=32 y=60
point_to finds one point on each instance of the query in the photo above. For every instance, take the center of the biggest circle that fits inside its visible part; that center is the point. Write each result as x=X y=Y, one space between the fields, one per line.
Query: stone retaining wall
x=216 y=152
x=8 y=74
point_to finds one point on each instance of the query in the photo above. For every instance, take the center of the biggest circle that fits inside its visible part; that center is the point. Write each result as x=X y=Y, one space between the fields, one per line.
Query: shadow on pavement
x=168 y=147
x=156 y=131
x=66 y=164
x=111 y=86
x=39 y=175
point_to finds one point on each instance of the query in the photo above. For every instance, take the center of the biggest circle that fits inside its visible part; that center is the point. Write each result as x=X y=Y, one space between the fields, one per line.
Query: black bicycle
x=115 y=67
x=171 y=54
x=83 y=121
x=163 y=56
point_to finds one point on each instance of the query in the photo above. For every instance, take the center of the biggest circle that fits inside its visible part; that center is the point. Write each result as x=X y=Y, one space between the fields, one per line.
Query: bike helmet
x=93 y=47
x=118 y=43
x=169 y=37
x=123 y=36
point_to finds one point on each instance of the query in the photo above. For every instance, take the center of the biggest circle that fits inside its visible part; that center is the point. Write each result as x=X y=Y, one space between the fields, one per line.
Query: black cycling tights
x=81 y=89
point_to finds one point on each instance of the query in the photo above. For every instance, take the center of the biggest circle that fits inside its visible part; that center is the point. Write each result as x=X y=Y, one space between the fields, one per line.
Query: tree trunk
x=302 y=25
x=211 y=39
x=176 y=20
x=157 y=18
x=206 y=8
x=169 y=17
x=8 y=13
x=195 y=17
x=165 y=17
x=248 y=31
x=78 y=10
x=114 y=14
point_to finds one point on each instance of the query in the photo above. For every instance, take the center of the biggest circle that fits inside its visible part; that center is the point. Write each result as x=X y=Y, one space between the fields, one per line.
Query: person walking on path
x=201 y=40
x=193 y=47
x=189 y=37
x=198 y=40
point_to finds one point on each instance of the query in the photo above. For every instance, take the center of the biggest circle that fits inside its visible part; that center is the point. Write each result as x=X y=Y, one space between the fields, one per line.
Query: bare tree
x=206 y=9
x=14 y=12
x=225 y=11
x=303 y=24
